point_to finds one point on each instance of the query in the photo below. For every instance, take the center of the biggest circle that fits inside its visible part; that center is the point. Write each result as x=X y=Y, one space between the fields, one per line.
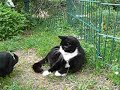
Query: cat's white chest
x=67 y=56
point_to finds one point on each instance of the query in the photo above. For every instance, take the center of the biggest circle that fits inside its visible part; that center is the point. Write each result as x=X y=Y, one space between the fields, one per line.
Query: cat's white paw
x=58 y=74
x=45 y=73
x=64 y=74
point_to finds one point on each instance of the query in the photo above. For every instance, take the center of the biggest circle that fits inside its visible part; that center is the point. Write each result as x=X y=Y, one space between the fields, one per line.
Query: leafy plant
x=12 y=23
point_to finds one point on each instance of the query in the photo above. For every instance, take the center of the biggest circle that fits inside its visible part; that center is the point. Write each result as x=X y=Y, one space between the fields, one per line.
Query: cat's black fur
x=7 y=62
x=56 y=60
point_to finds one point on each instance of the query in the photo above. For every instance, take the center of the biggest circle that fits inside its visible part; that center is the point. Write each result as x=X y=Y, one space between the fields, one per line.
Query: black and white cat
x=69 y=56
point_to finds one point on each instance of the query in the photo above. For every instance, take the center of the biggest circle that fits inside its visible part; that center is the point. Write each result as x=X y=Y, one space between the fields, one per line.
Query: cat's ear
x=62 y=37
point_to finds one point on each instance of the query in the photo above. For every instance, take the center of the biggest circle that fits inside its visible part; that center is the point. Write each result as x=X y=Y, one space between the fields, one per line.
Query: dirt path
x=84 y=80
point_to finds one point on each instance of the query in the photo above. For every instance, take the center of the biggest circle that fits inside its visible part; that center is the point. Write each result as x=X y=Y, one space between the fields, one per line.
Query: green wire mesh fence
x=99 y=25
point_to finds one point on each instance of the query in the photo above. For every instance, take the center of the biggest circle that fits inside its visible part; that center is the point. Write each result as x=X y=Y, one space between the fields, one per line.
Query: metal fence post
x=69 y=11
x=26 y=5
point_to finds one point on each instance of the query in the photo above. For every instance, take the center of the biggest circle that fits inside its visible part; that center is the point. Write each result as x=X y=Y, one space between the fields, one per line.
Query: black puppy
x=7 y=62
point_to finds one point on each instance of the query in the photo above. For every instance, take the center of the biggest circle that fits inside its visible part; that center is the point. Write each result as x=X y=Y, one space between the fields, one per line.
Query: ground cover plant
x=12 y=23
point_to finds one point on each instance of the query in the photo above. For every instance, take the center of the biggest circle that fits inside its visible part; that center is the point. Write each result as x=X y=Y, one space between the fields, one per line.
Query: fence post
x=69 y=11
x=26 y=5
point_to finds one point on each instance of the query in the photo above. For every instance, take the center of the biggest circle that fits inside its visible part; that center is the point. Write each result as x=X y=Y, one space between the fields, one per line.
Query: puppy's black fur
x=7 y=62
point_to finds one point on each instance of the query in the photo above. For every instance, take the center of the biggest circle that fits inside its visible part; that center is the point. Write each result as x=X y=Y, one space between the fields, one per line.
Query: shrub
x=12 y=23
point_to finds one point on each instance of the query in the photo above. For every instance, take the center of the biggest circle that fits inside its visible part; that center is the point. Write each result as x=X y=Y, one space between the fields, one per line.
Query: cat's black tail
x=37 y=66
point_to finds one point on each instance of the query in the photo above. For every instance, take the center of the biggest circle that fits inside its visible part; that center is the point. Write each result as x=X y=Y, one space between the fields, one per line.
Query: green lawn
x=31 y=48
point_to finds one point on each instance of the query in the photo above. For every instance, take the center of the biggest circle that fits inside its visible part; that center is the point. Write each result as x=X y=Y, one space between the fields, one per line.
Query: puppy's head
x=7 y=62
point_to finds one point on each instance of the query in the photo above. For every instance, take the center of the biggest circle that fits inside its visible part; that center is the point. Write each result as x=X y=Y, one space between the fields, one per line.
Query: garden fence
x=99 y=26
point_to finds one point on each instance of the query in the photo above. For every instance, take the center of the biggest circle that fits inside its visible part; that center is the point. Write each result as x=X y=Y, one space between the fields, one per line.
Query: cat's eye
x=68 y=44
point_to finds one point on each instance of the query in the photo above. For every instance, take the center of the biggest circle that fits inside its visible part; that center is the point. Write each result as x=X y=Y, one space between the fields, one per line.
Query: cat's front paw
x=59 y=74
x=45 y=73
